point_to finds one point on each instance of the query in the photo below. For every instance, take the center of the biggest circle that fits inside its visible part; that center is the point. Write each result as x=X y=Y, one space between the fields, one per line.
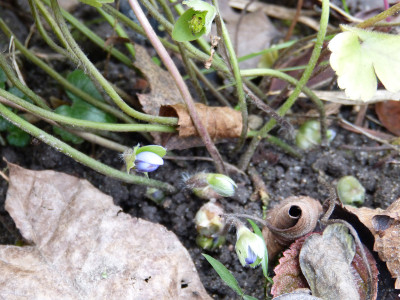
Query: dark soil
x=284 y=176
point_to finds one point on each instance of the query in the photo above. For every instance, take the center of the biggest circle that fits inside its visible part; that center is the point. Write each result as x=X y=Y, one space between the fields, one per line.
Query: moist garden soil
x=284 y=176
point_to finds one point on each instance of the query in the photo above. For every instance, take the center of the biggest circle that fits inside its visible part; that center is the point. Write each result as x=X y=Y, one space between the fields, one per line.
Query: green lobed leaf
x=225 y=274
x=96 y=3
x=17 y=137
x=82 y=81
x=359 y=56
x=65 y=110
x=159 y=150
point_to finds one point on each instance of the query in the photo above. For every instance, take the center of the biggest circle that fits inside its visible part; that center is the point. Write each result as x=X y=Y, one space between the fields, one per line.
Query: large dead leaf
x=84 y=247
x=253 y=34
x=163 y=88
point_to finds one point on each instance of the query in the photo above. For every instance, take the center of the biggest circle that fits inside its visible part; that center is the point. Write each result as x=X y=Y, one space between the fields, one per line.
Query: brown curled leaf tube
x=220 y=122
x=294 y=217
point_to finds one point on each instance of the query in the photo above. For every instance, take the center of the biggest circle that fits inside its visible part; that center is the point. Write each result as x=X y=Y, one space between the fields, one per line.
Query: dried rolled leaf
x=221 y=122
x=387 y=239
x=388 y=113
x=365 y=215
x=291 y=219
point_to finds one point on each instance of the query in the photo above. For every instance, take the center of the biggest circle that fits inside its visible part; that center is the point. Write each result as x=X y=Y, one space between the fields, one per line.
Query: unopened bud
x=211 y=185
x=350 y=191
x=209 y=219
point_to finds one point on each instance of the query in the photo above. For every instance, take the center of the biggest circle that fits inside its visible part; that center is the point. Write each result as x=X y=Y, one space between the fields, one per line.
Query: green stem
x=245 y=159
x=186 y=61
x=187 y=98
x=78 y=156
x=236 y=74
x=65 y=83
x=91 y=69
x=84 y=123
x=382 y=16
x=88 y=33
x=118 y=29
x=16 y=82
x=43 y=32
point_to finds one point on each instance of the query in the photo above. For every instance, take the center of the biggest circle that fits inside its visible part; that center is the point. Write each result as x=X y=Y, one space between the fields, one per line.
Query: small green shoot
x=359 y=55
x=195 y=22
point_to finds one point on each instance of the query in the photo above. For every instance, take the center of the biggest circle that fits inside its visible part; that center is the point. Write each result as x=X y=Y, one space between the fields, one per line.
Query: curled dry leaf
x=85 y=247
x=293 y=218
x=221 y=122
x=386 y=227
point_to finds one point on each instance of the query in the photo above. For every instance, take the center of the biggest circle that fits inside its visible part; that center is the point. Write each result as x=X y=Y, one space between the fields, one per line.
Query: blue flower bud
x=250 y=248
x=147 y=161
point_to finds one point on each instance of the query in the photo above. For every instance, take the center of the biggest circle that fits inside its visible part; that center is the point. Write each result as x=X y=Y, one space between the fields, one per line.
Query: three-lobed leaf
x=359 y=55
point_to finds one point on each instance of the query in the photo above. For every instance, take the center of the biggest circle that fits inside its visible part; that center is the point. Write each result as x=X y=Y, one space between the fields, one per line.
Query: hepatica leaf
x=195 y=22
x=359 y=55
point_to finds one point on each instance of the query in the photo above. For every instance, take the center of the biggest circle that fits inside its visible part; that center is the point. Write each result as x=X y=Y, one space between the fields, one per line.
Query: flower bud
x=211 y=185
x=250 y=248
x=350 y=191
x=210 y=243
x=155 y=195
x=147 y=162
x=209 y=221
x=309 y=135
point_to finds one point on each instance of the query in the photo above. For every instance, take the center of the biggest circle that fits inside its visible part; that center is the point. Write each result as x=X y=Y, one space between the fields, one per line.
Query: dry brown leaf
x=85 y=247
x=294 y=217
x=220 y=122
x=389 y=114
x=163 y=88
x=255 y=32
x=365 y=214
x=386 y=227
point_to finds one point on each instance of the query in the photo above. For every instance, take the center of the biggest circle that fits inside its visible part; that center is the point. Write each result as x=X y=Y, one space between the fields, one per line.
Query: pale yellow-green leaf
x=359 y=55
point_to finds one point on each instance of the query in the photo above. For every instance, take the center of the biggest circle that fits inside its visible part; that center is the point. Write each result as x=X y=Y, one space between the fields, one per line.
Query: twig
x=169 y=64
x=294 y=21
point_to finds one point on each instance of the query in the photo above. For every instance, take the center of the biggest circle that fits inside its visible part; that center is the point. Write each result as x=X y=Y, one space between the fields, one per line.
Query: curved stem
x=169 y=64
x=236 y=74
x=383 y=15
x=4 y=96
x=90 y=68
x=78 y=156
x=245 y=159
x=65 y=83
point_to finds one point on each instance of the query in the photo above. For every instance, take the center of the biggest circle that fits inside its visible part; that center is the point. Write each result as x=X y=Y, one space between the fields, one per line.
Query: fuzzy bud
x=211 y=185
x=250 y=248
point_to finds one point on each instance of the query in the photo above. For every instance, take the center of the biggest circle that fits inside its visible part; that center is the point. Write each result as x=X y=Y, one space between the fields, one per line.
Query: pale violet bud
x=147 y=161
x=211 y=185
x=209 y=219
x=309 y=135
x=250 y=248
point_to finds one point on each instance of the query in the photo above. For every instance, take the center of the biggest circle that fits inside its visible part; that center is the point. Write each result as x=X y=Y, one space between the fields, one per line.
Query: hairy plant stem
x=185 y=59
x=78 y=156
x=193 y=52
x=86 y=31
x=245 y=159
x=91 y=69
x=382 y=16
x=83 y=123
x=61 y=80
x=236 y=74
x=118 y=29
x=169 y=64
x=17 y=83
x=43 y=32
